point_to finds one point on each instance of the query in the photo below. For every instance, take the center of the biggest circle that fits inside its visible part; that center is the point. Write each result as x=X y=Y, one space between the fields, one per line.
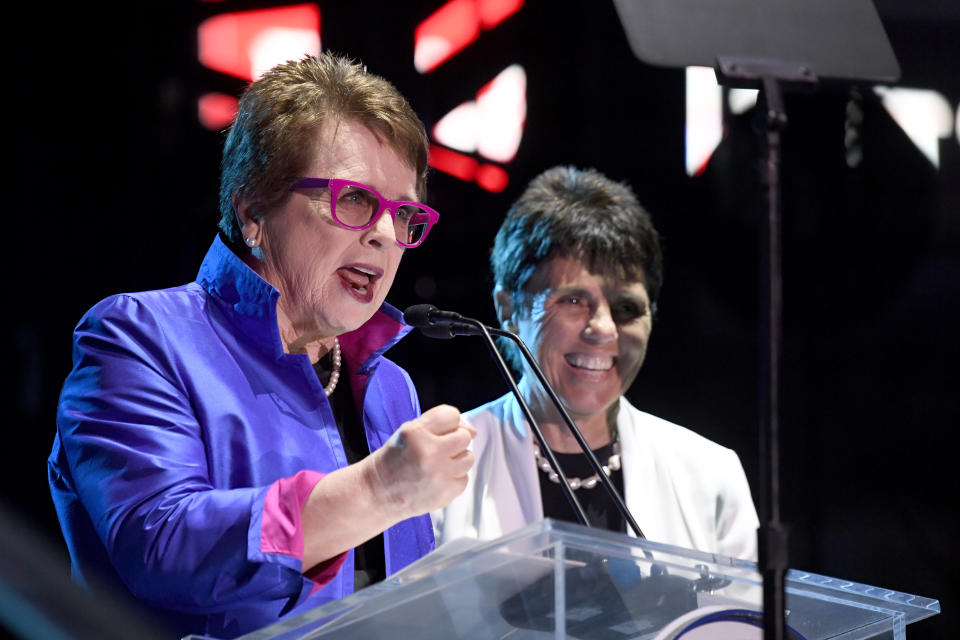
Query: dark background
x=112 y=187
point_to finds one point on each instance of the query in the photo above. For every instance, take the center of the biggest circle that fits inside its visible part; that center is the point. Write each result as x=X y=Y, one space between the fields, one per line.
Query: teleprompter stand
x=768 y=45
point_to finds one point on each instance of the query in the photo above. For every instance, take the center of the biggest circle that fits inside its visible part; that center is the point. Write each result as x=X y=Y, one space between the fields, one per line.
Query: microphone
x=427 y=315
x=444 y=325
x=436 y=323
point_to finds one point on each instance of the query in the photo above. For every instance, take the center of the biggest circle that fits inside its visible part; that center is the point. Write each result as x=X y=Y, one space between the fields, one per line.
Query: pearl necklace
x=613 y=464
x=335 y=372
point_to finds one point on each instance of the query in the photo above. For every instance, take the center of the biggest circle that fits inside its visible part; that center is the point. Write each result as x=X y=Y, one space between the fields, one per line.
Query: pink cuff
x=325 y=571
x=281 y=528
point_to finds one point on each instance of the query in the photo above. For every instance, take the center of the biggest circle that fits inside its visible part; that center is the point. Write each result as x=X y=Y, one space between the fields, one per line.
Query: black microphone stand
x=447 y=324
x=572 y=426
x=508 y=377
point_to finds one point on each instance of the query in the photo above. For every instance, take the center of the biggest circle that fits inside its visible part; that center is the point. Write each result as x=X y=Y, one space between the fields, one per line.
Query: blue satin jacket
x=180 y=414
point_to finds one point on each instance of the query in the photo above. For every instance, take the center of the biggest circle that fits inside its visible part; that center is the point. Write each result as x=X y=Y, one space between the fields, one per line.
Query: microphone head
x=439 y=331
x=419 y=316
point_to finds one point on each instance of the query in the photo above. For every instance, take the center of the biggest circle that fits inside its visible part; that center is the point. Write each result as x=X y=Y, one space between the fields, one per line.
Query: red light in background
x=246 y=43
x=448 y=30
x=491 y=127
x=216 y=110
x=488 y=176
x=455 y=26
x=493 y=12
x=456 y=164
x=492 y=178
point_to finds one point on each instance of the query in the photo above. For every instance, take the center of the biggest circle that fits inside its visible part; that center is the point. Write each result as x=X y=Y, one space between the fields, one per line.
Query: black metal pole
x=505 y=372
x=772 y=535
x=572 y=427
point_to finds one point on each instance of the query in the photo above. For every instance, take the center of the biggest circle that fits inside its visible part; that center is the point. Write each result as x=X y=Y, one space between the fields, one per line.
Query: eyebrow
x=570 y=290
x=628 y=295
x=403 y=198
x=618 y=296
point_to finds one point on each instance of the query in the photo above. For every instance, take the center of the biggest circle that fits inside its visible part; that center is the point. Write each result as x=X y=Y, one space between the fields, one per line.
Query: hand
x=425 y=463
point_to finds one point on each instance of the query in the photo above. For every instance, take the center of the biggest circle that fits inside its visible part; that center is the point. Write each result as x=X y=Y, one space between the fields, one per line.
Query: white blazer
x=681 y=488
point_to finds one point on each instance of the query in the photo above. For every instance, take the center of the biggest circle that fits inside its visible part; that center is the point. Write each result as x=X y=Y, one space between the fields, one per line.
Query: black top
x=369 y=565
x=600 y=509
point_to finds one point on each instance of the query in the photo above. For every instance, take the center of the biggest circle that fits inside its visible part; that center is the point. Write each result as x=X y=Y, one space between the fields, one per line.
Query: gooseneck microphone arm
x=444 y=325
x=597 y=468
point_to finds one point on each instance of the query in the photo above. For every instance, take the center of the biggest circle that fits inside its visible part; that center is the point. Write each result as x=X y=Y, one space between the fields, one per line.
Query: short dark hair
x=580 y=214
x=267 y=147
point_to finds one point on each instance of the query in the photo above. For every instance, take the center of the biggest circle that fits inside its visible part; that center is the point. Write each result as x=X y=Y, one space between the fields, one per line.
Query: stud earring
x=250 y=242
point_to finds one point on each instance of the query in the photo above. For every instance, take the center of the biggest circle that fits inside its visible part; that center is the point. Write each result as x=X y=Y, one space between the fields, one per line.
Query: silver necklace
x=613 y=464
x=335 y=372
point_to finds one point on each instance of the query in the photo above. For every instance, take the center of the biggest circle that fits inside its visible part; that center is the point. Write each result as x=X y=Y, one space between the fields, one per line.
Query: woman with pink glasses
x=237 y=449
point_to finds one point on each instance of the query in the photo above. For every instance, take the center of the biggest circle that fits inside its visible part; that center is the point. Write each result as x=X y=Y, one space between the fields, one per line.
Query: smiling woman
x=589 y=332
x=577 y=272
x=225 y=449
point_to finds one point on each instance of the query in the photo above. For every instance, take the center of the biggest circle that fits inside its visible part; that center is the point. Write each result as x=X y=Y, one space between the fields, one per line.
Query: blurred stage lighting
x=455 y=26
x=216 y=110
x=490 y=126
x=245 y=44
x=704 y=118
x=924 y=115
x=703 y=129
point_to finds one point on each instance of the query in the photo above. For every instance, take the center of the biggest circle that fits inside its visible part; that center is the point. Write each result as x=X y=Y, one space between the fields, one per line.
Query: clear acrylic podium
x=558 y=580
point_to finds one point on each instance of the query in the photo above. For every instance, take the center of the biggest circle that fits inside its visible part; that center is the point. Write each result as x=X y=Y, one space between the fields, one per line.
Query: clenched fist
x=421 y=468
x=425 y=464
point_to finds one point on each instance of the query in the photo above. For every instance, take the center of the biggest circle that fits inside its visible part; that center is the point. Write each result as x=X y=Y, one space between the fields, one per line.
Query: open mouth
x=586 y=362
x=359 y=279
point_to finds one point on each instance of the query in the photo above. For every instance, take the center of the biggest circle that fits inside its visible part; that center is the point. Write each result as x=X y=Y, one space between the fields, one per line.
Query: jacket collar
x=250 y=302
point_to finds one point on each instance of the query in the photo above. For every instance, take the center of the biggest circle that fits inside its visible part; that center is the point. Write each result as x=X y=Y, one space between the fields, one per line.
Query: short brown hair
x=264 y=153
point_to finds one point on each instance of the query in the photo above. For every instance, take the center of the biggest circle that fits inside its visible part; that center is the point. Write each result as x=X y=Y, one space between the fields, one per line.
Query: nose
x=601 y=327
x=381 y=234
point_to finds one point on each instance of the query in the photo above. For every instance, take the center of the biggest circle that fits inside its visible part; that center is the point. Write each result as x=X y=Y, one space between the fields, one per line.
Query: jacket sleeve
x=138 y=463
x=737 y=520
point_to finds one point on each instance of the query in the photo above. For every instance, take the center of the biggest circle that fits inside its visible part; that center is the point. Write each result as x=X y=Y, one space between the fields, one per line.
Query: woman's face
x=588 y=331
x=332 y=279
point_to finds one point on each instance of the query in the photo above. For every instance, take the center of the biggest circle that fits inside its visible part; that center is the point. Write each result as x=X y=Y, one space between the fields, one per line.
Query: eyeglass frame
x=336 y=184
